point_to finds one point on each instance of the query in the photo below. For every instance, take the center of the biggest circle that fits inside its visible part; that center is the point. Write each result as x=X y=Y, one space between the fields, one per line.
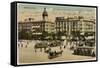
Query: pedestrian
x=44 y=48
x=27 y=42
x=18 y=45
x=21 y=45
x=35 y=51
x=40 y=49
x=26 y=46
x=55 y=52
x=60 y=47
x=64 y=46
x=49 y=49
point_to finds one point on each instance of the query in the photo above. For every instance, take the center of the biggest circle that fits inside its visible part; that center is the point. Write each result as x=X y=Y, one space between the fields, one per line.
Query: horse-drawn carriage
x=49 y=48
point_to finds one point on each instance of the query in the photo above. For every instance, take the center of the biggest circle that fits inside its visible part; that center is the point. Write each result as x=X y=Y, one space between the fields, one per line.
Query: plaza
x=27 y=55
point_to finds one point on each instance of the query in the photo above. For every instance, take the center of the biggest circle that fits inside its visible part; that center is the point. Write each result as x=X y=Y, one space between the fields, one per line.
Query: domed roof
x=45 y=12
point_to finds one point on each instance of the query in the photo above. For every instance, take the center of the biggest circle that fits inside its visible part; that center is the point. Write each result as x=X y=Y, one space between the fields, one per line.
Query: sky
x=35 y=11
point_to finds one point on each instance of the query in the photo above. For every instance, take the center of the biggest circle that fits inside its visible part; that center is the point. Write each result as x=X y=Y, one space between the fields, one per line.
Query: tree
x=29 y=35
x=59 y=34
x=75 y=33
x=23 y=34
x=51 y=35
x=44 y=34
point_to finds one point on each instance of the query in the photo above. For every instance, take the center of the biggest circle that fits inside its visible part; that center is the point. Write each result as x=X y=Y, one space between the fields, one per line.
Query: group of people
x=23 y=44
x=50 y=48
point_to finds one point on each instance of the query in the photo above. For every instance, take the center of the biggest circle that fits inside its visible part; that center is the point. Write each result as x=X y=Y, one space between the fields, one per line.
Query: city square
x=27 y=55
x=51 y=34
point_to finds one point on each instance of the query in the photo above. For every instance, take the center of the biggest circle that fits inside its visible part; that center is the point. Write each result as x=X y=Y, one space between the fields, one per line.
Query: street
x=26 y=54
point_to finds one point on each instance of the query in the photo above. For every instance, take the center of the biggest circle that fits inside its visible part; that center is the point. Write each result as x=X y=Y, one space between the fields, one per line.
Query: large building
x=27 y=26
x=88 y=25
x=38 y=27
x=61 y=24
x=49 y=26
x=74 y=24
x=66 y=26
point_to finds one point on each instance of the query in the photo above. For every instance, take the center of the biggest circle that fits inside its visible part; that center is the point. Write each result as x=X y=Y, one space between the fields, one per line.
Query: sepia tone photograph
x=55 y=33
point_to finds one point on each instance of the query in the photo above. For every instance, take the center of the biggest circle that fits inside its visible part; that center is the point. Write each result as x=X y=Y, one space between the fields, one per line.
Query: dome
x=45 y=12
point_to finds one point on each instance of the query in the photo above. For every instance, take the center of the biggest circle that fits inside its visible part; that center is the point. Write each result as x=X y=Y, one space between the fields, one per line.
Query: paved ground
x=27 y=54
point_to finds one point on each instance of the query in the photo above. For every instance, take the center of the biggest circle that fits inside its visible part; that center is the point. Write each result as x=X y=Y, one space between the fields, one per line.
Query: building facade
x=88 y=26
x=27 y=26
x=61 y=26
x=37 y=27
x=67 y=25
x=74 y=24
x=49 y=26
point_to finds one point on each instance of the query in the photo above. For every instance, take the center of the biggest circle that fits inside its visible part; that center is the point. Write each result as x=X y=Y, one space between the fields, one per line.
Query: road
x=27 y=55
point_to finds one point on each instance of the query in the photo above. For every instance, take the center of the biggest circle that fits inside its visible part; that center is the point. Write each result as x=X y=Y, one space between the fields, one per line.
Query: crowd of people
x=48 y=47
